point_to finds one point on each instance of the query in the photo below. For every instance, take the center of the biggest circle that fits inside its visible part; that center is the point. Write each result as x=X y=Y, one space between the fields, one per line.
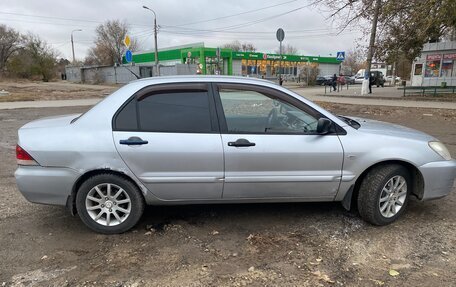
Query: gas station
x=212 y=61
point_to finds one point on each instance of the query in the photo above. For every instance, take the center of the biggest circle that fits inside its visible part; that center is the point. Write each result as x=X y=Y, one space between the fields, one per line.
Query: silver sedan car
x=198 y=139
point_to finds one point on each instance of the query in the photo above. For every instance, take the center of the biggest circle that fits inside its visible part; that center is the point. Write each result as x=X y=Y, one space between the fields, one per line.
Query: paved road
x=320 y=98
x=352 y=91
x=383 y=102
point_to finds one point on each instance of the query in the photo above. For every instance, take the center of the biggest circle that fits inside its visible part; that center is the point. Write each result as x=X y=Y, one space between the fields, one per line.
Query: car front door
x=271 y=146
x=169 y=137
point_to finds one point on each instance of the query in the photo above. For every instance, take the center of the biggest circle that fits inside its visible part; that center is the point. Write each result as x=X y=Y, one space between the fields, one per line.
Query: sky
x=182 y=22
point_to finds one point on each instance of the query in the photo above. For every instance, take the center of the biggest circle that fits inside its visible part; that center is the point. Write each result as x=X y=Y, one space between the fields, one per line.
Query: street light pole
x=155 y=39
x=72 y=43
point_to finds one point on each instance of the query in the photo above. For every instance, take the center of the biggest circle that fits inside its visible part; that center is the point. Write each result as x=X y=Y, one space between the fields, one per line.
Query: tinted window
x=126 y=118
x=253 y=112
x=175 y=112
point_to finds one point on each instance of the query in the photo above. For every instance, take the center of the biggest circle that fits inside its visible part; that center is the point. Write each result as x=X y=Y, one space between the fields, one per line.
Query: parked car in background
x=324 y=80
x=350 y=79
x=359 y=79
x=390 y=79
x=378 y=79
x=214 y=139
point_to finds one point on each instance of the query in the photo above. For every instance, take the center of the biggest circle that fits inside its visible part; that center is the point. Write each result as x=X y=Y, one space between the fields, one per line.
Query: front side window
x=253 y=112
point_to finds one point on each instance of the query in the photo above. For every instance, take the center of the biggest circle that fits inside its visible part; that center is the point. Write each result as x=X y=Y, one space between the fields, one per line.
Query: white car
x=359 y=79
x=214 y=139
x=390 y=79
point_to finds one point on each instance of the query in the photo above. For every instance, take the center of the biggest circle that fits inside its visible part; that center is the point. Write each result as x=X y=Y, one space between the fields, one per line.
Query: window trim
x=273 y=94
x=169 y=88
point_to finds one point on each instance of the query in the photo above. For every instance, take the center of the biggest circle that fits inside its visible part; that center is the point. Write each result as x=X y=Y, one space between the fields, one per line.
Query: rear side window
x=179 y=111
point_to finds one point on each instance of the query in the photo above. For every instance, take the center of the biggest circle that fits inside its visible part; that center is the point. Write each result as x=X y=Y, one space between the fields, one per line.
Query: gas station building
x=210 y=61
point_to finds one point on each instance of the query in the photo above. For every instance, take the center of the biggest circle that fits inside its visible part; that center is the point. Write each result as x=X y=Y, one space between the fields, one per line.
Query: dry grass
x=37 y=91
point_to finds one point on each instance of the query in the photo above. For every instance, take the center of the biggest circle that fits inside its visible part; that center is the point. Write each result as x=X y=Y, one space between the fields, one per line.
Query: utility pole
x=370 y=52
x=72 y=43
x=155 y=40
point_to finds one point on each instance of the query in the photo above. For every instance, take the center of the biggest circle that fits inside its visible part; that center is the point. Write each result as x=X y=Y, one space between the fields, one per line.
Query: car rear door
x=271 y=147
x=168 y=136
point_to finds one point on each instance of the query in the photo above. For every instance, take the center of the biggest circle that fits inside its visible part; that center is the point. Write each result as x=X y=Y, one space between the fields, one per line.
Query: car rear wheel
x=384 y=194
x=109 y=204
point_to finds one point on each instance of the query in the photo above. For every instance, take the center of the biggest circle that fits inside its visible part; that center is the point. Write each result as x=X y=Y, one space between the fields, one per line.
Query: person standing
x=371 y=82
x=334 y=82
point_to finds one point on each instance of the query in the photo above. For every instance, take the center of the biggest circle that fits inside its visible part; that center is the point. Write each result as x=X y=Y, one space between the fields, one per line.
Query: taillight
x=23 y=158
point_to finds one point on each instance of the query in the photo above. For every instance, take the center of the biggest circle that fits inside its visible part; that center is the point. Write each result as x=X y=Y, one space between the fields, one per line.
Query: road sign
x=340 y=56
x=189 y=54
x=265 y=56
x=128 y=56
x=280 y=34
x=127 y=41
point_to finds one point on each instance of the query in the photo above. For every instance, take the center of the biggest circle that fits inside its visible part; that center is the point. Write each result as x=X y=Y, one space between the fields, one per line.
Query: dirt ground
x=309 y=244
x=33 y=91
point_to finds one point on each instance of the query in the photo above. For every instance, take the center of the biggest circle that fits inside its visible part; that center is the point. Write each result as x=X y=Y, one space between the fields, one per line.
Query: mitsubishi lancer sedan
x=214 y=139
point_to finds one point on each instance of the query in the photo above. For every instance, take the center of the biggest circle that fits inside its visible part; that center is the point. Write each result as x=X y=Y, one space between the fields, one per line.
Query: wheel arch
x=417 y=181
x=71 y=201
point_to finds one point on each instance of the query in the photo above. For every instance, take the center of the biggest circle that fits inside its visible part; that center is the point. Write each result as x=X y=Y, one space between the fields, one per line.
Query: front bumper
x=46 y=185
x=438 y=178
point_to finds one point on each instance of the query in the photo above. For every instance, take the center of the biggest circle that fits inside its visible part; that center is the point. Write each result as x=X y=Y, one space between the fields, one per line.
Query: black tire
x=371 y=190
x=136 y=203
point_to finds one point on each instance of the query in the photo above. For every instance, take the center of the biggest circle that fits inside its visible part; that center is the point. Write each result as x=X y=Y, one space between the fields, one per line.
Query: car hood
x=55 y=121
x=388 y=129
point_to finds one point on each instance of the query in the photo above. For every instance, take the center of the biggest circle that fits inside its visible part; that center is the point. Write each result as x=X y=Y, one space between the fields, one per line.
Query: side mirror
x=323 y=126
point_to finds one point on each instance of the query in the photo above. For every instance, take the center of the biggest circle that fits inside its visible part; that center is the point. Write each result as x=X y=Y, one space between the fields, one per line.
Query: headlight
x=441 y=149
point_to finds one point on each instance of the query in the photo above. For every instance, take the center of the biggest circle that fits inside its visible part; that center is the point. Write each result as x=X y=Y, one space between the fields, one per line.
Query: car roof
x=198 y=78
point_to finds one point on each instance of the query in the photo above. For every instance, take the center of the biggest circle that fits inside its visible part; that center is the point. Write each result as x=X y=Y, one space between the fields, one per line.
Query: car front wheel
x=384 y=194
x=109 y=204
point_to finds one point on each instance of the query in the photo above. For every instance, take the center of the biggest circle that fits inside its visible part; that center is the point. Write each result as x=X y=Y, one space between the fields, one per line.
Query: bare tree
x=355 y=60
x=407 y=25
x=403 y=25
x=238 y=46
x=248 y=47
x=10 y=42
x=288 y=50
x=43 y=56
x=109 y=48
x=234 y=45
x=309 y=74
x=34 y=58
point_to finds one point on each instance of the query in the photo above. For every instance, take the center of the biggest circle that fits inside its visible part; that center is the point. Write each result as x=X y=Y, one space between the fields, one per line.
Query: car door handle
x=133 y=141
x=241 y=143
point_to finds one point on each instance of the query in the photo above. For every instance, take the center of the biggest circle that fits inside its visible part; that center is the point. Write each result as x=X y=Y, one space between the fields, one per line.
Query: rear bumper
x=46 y=185
x=438 y=178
